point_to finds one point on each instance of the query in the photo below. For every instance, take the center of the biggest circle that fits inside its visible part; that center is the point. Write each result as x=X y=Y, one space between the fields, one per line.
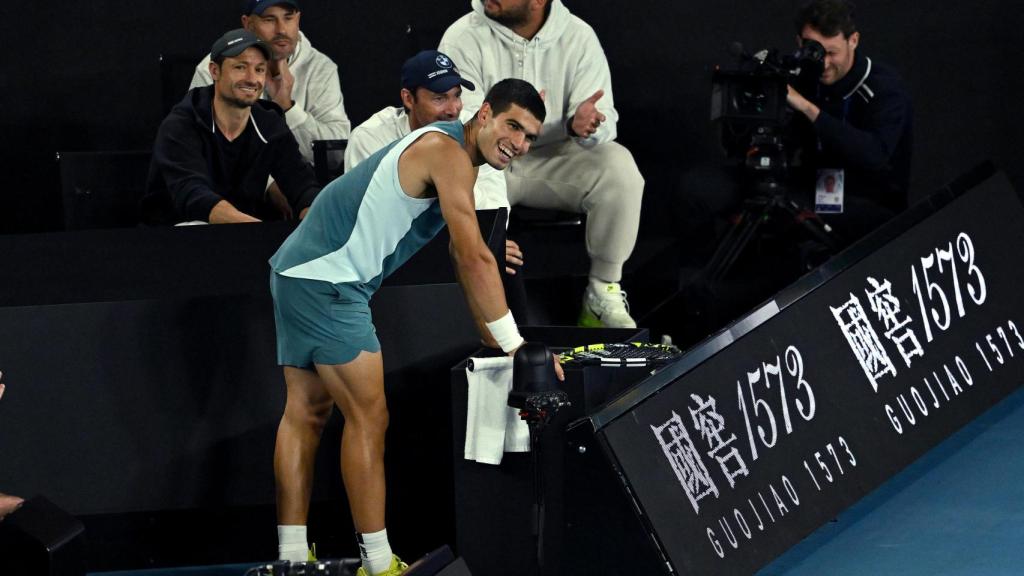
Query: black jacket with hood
x=192 y=171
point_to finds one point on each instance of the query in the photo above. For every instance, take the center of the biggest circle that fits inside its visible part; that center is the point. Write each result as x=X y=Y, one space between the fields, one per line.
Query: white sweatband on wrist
x=505 y=332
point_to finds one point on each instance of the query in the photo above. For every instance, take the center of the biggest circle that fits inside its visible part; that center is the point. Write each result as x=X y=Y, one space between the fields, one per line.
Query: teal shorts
x=319 y=322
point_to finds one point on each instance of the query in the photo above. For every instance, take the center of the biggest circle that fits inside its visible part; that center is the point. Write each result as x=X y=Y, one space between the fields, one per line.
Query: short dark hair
x=829 y=17
x=415 y=98
x=511 y=91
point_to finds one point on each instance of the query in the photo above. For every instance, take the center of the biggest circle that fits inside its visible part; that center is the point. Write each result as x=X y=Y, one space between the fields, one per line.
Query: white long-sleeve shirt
x=319 y=110
x=392 y=123
x=564 y=59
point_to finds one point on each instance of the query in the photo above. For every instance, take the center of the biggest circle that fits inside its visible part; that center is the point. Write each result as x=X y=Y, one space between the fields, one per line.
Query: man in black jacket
x=216 y=149
x=857 y=138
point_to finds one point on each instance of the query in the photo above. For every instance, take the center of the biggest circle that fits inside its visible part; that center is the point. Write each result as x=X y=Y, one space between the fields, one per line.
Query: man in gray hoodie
x=576 y=165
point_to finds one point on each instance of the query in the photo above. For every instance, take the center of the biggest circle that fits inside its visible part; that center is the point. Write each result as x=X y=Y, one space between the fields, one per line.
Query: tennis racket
x=628 y=354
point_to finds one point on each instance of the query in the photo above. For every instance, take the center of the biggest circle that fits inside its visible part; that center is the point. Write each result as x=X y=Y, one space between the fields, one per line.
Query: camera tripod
x=771 y=201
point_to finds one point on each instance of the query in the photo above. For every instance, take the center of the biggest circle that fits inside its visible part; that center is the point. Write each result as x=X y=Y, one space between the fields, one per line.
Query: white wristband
x=505 y=332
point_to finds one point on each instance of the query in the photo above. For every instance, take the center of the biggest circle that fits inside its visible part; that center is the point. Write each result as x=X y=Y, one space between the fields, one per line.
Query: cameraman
x=848 y=144
x=857 y=133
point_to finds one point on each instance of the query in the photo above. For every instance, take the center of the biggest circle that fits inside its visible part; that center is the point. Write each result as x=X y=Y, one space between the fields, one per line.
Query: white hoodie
x=564 y=59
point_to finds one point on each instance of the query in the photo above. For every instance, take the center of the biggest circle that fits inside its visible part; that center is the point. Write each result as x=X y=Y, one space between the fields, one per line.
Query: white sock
x=291 y=543
x=375 y=551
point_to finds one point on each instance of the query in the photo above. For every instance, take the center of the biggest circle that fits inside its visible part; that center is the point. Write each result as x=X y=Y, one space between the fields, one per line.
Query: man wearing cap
x=300 y=79
x=361 y=229
x=576 y=165
x=216 y=149
x=431 y=92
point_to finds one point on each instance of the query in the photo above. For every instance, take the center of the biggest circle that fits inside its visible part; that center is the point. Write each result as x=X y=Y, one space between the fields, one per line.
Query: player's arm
x=453 y=176
x=437 y=160
x=9 y=504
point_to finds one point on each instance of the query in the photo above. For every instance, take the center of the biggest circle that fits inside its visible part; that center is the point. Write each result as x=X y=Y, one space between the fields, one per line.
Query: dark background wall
x=86 y=76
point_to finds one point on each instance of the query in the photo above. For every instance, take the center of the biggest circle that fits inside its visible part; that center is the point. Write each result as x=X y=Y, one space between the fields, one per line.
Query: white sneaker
x=606 y=309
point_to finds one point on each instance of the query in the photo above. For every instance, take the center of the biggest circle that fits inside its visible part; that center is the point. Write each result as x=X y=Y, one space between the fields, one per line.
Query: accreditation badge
x=828 y=191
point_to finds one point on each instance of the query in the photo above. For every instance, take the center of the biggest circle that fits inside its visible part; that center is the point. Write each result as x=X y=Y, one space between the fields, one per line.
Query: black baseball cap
x=258 y=6
x=235 y=42
x=434 y=71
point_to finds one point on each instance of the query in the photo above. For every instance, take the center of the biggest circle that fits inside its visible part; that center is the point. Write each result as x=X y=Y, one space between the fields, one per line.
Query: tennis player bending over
x=361 y=228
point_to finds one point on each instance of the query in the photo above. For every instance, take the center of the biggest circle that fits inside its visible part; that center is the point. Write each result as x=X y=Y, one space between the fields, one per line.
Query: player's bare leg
x=358 y=389
x=306 y=412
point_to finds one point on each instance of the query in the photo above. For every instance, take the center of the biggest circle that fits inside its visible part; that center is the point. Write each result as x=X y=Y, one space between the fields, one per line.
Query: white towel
x=492 y=426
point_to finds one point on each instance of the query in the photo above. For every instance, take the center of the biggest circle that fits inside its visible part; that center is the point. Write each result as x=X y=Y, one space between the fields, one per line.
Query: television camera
x=749 y=102
x=749 y=105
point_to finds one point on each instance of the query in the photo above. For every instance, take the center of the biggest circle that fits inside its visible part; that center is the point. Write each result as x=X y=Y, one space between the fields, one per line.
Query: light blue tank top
x=363 y=226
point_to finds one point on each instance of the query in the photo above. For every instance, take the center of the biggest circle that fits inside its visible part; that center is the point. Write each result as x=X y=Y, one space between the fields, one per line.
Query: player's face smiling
x=507 y=135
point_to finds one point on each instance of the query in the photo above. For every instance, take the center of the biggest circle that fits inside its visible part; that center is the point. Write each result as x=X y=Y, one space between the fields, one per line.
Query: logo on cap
x=443 y=61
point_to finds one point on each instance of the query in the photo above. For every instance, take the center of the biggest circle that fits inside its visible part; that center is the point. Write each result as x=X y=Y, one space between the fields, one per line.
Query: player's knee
x=319 y=416
x=379 y=416
x=313 y=416
x=371 y=415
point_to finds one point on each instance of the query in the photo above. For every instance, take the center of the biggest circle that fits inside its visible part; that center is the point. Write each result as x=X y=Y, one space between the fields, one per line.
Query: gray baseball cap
x=235 y=42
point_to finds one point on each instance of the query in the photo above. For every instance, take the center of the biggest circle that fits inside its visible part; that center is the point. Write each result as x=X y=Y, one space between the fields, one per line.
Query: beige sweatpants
x=602 y=182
